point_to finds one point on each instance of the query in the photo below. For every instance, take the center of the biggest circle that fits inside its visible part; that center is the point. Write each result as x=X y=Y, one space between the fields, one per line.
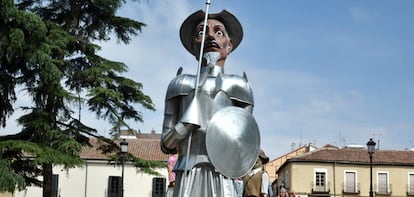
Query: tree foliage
x=48 y=53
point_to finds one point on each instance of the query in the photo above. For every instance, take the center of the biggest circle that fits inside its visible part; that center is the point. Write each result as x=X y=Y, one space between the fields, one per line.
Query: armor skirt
x=203 y=181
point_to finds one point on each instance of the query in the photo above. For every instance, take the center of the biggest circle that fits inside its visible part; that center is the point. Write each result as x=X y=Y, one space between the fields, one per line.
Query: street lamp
x=371 y=148
x=124 y=150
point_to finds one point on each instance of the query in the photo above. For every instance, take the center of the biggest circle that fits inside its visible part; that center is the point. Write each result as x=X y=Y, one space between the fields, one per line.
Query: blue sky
x=323 y=72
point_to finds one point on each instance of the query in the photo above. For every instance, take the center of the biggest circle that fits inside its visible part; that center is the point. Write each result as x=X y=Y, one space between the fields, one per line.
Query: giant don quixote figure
x=208 y=117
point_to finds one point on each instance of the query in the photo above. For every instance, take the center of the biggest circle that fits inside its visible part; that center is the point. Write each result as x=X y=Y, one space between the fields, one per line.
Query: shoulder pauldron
x=182 y=84
x=238 y=88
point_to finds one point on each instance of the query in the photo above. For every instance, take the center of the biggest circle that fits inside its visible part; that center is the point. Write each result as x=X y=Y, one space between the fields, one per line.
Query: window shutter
x=114 y=186
x=158 y=187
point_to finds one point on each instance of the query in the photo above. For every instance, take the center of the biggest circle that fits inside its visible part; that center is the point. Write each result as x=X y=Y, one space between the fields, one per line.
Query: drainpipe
x=334 y=178
x=86 y=178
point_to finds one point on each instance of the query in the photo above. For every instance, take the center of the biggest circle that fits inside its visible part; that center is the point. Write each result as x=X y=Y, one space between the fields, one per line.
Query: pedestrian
x=172 y=159
x=283 y=192
x=257 y=182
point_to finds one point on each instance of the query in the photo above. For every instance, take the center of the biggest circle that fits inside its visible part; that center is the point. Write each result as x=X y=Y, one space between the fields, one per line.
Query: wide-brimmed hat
x=263 y=157
x=229 y=21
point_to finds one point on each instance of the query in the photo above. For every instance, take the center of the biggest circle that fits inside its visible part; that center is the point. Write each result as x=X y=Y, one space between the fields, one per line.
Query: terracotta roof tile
x=91 y=152
x=148 y=135
x=391 y=157
x=148 y=149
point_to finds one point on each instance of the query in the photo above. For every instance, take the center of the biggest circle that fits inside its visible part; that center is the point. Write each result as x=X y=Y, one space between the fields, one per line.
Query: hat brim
x=263 y=157
x=230 y=22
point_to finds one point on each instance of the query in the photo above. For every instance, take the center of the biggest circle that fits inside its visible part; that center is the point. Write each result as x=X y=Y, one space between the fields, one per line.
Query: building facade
x=346 y=172
x=99 y=176
x=274 y=164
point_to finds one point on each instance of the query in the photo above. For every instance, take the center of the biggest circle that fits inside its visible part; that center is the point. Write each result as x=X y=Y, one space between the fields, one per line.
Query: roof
x=306 y=148
x=330 y=146
x=144 y=148
x=132 y=134
x=356 y=156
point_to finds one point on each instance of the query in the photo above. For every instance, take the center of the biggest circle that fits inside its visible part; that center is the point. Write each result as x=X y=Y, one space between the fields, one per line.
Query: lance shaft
x=200 y=57
x=200 y=60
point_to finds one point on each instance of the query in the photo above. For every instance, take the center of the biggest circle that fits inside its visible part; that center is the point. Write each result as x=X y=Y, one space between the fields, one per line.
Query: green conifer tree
x=48 y=51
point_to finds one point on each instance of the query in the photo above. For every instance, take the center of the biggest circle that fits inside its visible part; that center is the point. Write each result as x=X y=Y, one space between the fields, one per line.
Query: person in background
x=274 y=187
x=292 y=194
x=171 y=174
x=270 y=190
x=283 y=192
x=256 y=183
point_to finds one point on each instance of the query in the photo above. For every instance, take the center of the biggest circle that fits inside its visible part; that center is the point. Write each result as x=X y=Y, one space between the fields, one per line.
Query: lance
x=192 y=116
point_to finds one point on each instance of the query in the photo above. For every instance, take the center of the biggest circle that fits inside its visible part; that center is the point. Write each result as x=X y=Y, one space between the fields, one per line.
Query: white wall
x=91 y=180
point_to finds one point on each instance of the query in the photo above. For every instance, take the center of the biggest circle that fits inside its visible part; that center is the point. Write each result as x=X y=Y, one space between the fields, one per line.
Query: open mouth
x=211 y=45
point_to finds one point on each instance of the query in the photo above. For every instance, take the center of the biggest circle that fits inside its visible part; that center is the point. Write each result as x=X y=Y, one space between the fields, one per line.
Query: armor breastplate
x=216 y=92
x=236 y=87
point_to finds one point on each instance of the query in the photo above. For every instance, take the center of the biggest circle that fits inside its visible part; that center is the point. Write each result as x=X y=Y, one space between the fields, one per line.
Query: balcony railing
x=320 y=188
x=350 y=189
x=383 y=189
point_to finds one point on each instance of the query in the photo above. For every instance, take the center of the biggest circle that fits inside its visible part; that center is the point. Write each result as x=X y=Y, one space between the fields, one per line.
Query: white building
x=98 y=177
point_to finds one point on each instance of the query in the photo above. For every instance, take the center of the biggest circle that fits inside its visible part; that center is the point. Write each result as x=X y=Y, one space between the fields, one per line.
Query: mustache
x=212 y=43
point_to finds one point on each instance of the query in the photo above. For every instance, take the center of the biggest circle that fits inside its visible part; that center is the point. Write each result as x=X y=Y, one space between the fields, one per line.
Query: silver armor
x=232 y=139
x=218 y=91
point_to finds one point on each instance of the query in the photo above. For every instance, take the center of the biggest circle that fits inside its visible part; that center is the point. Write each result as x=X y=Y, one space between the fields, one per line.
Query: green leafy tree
x=48 y=53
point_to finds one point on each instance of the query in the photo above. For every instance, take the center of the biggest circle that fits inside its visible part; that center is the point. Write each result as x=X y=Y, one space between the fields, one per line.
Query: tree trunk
x=47 y=180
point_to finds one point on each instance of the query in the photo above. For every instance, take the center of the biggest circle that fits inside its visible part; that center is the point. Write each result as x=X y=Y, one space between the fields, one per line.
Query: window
x=382 y=182
x=158 y=187
x=350 y=182
x=411 y=183
x=114 y=186
x=320 y=180
x=55 y=185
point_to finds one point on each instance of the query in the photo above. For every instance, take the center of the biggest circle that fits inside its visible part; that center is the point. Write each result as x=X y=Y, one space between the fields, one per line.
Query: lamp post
x=371 y=148
x=124 y=150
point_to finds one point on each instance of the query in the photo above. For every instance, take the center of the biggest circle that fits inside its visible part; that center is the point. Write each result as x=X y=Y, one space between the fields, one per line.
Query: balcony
x=383 y=189
x=320 y=189
x=350 y=189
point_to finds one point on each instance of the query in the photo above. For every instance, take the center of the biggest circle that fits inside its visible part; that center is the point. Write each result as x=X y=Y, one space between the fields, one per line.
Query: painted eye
x=219 y=33
x=200 y=34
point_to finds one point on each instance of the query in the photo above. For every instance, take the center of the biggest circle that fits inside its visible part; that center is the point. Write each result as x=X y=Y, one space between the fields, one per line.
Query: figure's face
x=216 y=39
